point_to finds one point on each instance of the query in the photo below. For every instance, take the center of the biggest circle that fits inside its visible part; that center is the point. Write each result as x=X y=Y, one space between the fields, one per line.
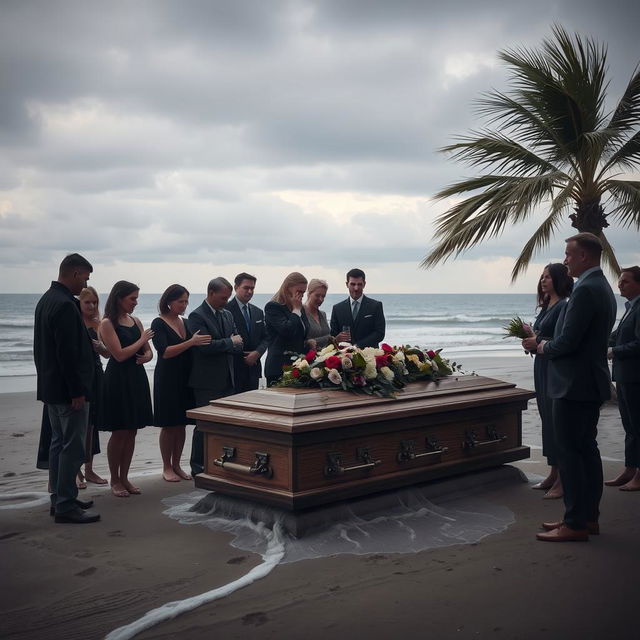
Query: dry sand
x=63 y=581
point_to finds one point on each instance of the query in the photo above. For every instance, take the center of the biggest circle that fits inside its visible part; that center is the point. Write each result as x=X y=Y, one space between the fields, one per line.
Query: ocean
x=456 y=323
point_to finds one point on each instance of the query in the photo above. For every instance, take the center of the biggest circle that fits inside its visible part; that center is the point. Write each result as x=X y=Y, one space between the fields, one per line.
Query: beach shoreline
x=67 y=582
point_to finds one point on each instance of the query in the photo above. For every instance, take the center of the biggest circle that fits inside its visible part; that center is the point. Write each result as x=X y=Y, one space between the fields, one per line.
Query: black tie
x=219 y=322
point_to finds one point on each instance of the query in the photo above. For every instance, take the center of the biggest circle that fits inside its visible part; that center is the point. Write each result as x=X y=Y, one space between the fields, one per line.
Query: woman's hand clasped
x=198 y=340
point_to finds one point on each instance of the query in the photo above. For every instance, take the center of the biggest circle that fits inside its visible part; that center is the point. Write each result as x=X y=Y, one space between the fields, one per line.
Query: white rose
x=301 y=364
x=316 y=373
x=399 y=356
x=327 y=350
x=335 y=377
x=346 y=363
x=370 y=371
x=387 y=373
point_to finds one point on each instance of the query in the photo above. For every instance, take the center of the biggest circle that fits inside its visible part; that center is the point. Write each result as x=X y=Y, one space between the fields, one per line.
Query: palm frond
x=542 y=236
x=627 y=112
x=491 y=149
x=627 y=156
x=626 y=193
x=609 y=256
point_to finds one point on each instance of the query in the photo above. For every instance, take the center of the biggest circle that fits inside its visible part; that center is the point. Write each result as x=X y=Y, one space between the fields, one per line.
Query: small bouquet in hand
x=516 y=329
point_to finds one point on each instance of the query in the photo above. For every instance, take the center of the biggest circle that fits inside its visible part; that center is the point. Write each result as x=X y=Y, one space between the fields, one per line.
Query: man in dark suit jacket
x=212 y=364
x=63 y=357
x=578 y=383
x=249 y=321
x=624 y=351
x=358 y=319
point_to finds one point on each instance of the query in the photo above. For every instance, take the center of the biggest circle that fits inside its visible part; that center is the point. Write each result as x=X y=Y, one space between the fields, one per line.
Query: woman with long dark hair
x=554 y=287
x=126 y=399
x=172 y=396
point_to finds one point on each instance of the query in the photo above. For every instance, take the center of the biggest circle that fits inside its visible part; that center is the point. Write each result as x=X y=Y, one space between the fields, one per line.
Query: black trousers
x=575 y=425
x=202 y=398
x=629 y=405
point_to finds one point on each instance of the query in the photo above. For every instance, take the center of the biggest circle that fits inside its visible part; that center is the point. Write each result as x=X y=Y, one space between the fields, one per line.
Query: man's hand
x=541 y=346
x=77 y=403
x=251 y=357
x=236 y=338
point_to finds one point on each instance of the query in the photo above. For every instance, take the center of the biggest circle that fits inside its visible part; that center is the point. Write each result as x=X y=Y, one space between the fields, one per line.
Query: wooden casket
x=299 y=448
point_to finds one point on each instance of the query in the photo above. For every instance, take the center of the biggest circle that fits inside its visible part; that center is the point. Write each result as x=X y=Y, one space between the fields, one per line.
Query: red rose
x=295 y=373
x=386 y=348
x=311 y=356
x=431 y=354
x=333 y=362
x=382 y=361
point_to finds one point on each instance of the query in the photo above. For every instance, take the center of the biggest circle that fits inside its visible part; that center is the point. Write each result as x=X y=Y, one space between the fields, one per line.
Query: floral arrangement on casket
x=381 y=372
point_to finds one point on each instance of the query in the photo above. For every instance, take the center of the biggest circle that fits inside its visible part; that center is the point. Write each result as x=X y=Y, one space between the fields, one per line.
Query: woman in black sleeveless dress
x=554 y=288
x=172 y=395
x=126 y=399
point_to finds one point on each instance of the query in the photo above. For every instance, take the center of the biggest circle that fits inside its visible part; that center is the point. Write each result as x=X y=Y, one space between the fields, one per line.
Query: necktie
x=354 y=311
x=245 y=313
x=219 y=323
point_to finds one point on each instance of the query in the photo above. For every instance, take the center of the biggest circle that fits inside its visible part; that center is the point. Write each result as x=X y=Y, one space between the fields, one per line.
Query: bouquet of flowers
x=372 y=371
x=515 y=329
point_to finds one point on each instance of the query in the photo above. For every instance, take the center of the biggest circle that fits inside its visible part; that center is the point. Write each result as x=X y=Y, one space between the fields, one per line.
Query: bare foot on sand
x=131 y=489
x=119 y=491
x=170 y=476
x=626 y=476
x=95 y=478
x=182 y=473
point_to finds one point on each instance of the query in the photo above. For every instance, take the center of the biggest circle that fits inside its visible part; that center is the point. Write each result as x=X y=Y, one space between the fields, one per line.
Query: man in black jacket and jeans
x=64 y=362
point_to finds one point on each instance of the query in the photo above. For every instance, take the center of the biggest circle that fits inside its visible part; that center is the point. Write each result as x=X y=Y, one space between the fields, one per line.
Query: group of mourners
x=217 y=352
x=214 y=353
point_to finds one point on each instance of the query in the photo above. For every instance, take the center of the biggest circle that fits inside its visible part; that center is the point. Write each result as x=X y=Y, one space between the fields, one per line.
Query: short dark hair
x=634 y=271
x=355 y=273
x=120 y=289
x=588 y=242
x=172 y=292
x=217 y=284
x=244 y=276
x=562 y=283
x=74 y=262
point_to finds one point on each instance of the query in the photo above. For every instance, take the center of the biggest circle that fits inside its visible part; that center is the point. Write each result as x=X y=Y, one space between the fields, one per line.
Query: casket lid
x=293 y=410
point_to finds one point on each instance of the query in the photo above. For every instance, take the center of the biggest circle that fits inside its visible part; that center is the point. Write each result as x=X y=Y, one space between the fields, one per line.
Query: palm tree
x=551 y=142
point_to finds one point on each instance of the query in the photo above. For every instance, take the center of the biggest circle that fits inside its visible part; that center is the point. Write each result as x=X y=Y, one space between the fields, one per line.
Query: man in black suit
x=212 y=365
x=64 y=362
x=624 y=351
x=249 y=321
x=358 y=319
x=578 y=384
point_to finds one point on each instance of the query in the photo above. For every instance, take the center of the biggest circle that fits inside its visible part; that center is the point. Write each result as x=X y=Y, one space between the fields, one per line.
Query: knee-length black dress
x=126 y=398
x=172 y=396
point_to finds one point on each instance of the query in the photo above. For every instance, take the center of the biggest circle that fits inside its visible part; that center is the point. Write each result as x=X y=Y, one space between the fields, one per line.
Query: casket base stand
x=297 y=449
x=299 y=523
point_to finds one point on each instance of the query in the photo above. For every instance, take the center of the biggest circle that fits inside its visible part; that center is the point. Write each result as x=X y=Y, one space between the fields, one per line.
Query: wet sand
x=64 y=581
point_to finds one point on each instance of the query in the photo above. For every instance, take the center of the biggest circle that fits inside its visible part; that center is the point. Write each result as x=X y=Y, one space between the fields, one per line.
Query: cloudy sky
x=173 y=141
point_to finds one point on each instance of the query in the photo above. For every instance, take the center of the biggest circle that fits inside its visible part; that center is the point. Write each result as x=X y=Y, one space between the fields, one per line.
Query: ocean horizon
x=454 y=322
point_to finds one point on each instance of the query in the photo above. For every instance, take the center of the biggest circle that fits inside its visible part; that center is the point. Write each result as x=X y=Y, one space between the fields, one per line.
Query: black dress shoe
x=83 y=504
x=77 y=516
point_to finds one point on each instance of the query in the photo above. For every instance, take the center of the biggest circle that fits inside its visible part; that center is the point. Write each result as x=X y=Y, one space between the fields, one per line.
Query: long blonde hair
x=90 y=291
x=281 y=296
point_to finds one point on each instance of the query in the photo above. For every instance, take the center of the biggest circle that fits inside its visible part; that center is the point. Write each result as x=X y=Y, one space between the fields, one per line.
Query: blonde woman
x=287 y=325
x=319 y=332
x=90 y=309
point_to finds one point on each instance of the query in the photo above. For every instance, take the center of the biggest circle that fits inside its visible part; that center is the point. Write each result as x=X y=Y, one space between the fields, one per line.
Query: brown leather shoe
x=592 y=527
x=564 y=534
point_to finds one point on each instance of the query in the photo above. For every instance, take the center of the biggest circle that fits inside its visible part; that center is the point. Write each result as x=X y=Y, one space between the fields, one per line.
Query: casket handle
x=259 y=467
x=334 y=462
x=471 y=438
x=407 y=450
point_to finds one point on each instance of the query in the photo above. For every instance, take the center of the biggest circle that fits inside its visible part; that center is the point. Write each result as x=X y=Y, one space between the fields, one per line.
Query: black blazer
x=367 y=330
x=578 y=368
x=285 y=332
x=212 y=364
x=625 y=343
x=254 y=339
x=62 y=350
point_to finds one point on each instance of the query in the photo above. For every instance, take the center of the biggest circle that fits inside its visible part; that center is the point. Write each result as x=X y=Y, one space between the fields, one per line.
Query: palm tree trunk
x=589 y=216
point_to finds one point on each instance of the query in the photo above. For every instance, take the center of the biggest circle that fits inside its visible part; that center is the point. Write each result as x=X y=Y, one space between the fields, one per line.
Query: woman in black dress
x=172 y=396
x=286 y=323
x=126 y=399
x=554 y=288
x=89 y=307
